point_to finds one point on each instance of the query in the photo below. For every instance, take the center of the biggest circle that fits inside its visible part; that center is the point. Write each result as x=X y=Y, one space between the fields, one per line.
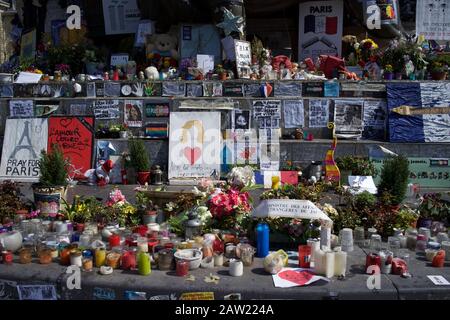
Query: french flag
x=321 y=24
x=286 y=177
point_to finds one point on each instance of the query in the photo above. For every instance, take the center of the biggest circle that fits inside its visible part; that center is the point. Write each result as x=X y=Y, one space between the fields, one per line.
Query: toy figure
x=100 y=175
x=161 y=51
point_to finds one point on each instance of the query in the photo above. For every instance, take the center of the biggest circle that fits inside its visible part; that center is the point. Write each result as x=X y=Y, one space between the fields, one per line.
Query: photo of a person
x=133 y=113
x=242 y=119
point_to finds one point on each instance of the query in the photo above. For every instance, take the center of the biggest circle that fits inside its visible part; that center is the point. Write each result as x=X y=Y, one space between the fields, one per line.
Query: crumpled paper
x=295 y=277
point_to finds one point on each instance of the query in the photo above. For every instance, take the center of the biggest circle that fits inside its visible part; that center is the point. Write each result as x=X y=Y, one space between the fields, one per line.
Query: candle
x=325 y=234
x=114 y=240
x=100 y=257
x=315 y=245
x=113 y=260
x=442 y=236
x=411 y=241
x=347 y=240
x=144 y=266
x=60 y=226
x=45 y=256
x=76 y=259
x=319 y=263
x=262 y=238
x=426 y=232
x=403 y=241
x=359 y=235
x=340 y=263
x=64 y=257
x=386 y=261
x=85 y=240
x=218 y=259
x=373 y=259
x=334 y=241
x=421 y=243
x=87 y=264
x=182 y=268
x=7 y=257
x=25 y=256
x=142 y=244
x=370 y=232
x=276 y=183
x=438 y=260
x=236 y=268
x=304 y=256
x=445 y=245
x=430 y=254
x=329 y=264
x=153 y=227
x=129 y=260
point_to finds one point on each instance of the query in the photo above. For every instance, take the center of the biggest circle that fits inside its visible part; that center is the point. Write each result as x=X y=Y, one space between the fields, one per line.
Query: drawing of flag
x=321 y=24
x=286 y=177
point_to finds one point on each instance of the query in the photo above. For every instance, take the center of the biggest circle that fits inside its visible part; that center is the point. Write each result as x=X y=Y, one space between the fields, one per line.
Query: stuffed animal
x=162 y=51
x=100 y=176
x=152 y=73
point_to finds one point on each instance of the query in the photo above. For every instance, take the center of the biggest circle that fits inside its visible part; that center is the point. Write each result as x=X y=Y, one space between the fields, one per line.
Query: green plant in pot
x=394 y=178
x=433 y=208
x=53 y=181
x=139 y=160
x=11 y=203
x=355 y=166
x=146 y=208
x=438 y=70
x=77 y=212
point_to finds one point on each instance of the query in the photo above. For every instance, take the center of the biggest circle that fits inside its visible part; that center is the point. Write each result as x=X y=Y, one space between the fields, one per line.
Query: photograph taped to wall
x=348 y=116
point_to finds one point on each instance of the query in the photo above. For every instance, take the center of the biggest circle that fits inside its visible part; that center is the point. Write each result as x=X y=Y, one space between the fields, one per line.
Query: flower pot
x=439 y=75
x=149 y=217
x=388 y=75
x=143 y=177
x=424 y=223
x=223 y=76
x=398 y=76
x=48 y=199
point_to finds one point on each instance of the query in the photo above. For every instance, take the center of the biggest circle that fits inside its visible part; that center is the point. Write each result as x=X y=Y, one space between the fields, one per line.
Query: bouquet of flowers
x=120 y=210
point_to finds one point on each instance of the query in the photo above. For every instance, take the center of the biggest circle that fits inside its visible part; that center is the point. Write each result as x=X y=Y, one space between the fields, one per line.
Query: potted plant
x=148 y=210
x=394 y=178
x=432 y=208
x=77 y=212
x=438 y=71
x=53 y=181
x=388 y=72
x=221 y=72
x=10 y=202
x=406 y=218
x=139 y=160
x=355 y=166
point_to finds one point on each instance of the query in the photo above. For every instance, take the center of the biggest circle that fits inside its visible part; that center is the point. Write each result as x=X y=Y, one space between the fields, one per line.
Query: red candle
x=128 y=260
x=114 y=240
x=439 y=259
x=182 y=268
x=151 y=244
x=7 y=257
x=116 y=75
x=304 y=256
x=168 y=245
x=373 y=259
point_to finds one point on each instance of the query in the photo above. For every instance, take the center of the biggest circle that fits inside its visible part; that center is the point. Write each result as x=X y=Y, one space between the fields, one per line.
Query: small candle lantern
x=193 y=225
x=156 y=175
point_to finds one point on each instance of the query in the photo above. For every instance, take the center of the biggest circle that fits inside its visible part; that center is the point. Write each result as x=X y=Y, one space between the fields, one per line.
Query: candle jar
x=370 y=232
x=394 y=245
x=373 y=259
x=113 y=260
x=218 y=259
x=359 y=235
x=340 y=263
x=439 y=259
x=441 y=237
x=411 y=241
x=144 y=266
x=421 y=243
x=7 y=257
x=100 y=257
x=230 y=251
x=375 y=243
x=304 y=256
x=142 y=244
x=315 y=246
x=85 y=239
x=430 y=254
x=347 y=239
x=45 y=256
x=426 y=232
x=182 y=268
x=114 y=240
x=247 y=254
x=165 y=259
x=236 y=268
x=445 y=245
x=87 y=263
x=207 y=250
x=76 y=258
x=129 y=259
x=386 y=257
x=25 y=256
x=64 y=256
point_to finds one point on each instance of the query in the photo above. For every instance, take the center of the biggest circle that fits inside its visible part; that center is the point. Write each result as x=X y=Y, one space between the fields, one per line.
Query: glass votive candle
x=114 y=240
x=76 y=258
x=370 y=232
x=45 y=256
x=445 y=245
x=25 y=256
x=129 y=259
x=359 y=234
x=404 y=255
x=182 y=268
x=88 y=263
x=100 y=257
x=394 y=245
x=113 y=260
x=426 y=232
x=64 y=256
x=142 y=244
x=375 y=243
x=430 y=254
x=7 y=257
x=421 y=243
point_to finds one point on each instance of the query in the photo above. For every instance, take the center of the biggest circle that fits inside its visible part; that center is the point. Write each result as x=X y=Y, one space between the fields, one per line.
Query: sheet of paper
x=205 y=62
x=439 y=280
x=362 y=183
x=28 y=77
x=295 y=277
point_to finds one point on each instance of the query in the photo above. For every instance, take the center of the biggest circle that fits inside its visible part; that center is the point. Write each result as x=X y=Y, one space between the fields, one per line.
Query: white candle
x=218 y=259
x=347 y=240
x=334 y=241
x=236 y=268
x=442 y=236
x=340 y=263
x=329 y=264
x=315 y=245
x=319 y=262
x=325 y=234
x=75 y=259
x=153 y=227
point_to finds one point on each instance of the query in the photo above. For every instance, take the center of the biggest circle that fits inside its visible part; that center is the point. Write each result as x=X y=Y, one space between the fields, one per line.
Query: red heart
x=192 y=154
x=298 y=277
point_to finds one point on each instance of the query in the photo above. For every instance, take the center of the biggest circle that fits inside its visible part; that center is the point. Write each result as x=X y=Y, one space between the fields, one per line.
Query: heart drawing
x=65 y=122
x=192 y=154
x=298 y=277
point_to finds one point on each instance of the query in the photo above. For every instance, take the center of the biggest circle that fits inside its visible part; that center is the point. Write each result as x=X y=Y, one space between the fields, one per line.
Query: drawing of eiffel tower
x=27 y=146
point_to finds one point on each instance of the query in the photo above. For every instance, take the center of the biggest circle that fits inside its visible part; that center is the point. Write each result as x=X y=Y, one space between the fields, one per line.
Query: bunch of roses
x=116 y=198
x=229 y=202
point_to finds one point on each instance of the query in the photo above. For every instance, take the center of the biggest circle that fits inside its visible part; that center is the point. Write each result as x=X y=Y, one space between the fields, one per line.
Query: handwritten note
x=21 y=108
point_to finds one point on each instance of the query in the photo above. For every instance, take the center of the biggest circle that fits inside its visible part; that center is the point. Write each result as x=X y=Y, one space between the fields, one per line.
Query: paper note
x=28 y=77
x=205 y=62
x=439 y=280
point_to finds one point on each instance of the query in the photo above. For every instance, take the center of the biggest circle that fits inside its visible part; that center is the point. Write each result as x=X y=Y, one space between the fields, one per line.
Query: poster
x=106 y=109
x=121 y=16
x=22 y=145
x=156 y=109
x=145 y=28
x=75 y=136
x=432 y=19
x=242 y=119
x=115 y=174
x=243 y=58
x=195 y=144
x=267 y=108
x=78 y=109
x=319 y=113
x=389 y=13
x=133 y=113
x=212 y=89
x=294 y=116
x=37 y=292
x=45 y=107
x=348 y=117
x=269 y=156
x=205 y=62
x=320 y=28
x=21 y=108
x=375 y=118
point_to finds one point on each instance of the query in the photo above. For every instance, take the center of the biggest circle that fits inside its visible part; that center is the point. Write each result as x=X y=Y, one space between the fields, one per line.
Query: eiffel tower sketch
x=27 y=145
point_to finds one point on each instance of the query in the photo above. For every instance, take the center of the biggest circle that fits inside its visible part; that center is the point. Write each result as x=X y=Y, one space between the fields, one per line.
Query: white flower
x=241 y=176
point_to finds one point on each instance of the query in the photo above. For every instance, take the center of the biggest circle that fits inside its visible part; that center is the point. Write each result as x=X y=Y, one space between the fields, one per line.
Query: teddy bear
x=161 y=51
x=100 y=175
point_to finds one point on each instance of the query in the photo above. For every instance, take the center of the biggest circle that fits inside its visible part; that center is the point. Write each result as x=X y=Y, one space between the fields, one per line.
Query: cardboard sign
x=133 y=113
x=173 y=89
x=119 y=59
x=121 y=17
x=194 y=90
x=313 y=89
x=21 y=108
x=22 y=145
x=243 y=58
x=295 y=277
x=375 y=119
x=432 y=19
x=288 y=89
x=75 y=136
x=331 y=89
x=320 y=30
x=302 y=209
x=233 y=89
x=195 y=144
x=212 y=89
